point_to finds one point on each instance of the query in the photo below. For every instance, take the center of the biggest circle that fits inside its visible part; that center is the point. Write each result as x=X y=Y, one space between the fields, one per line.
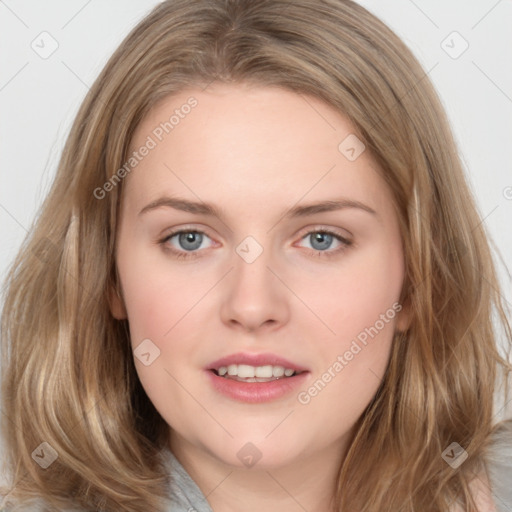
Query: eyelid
x=301 y=233
x=166 y=233
x=344 y=242
x=308 y=230
x=314 y=228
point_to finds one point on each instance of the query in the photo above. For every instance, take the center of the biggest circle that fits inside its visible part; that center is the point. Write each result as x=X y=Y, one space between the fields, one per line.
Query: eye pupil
x=324 y=239
x=191 y=237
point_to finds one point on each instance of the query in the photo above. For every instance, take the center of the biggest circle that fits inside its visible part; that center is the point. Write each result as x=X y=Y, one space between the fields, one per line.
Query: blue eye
x=321 y=241
x=188 y=242
x=324 y=240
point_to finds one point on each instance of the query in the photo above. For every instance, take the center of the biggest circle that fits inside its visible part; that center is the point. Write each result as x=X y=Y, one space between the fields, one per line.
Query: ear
x=116 y=303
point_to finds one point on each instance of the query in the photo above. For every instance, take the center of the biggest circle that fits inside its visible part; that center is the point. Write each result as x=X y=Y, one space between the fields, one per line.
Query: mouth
x=248 y=373
x=254 y=378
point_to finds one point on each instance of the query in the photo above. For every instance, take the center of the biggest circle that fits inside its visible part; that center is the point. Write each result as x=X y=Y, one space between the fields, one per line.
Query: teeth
x=247 y=371
x=263 y=371
x=277 y=371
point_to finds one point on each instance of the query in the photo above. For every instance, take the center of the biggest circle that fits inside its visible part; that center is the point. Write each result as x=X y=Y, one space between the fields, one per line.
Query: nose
x=254 y=298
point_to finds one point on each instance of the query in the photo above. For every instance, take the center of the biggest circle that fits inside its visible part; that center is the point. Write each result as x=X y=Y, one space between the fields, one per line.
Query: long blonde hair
x=68 y=374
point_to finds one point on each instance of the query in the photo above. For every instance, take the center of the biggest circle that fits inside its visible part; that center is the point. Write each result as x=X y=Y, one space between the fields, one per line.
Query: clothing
x=500 y=469
x=185 y=495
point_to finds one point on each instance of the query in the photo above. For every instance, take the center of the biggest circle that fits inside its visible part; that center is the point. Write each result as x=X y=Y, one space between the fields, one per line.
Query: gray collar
x=185 y=495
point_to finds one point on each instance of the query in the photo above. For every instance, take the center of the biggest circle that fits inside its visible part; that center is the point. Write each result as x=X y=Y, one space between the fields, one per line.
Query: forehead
x=244 y=144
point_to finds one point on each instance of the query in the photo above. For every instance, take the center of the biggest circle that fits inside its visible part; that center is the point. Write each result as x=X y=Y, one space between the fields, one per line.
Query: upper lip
x=255 y=360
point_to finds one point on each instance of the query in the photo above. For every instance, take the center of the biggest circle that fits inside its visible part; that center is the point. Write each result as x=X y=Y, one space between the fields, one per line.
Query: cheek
x=353 y=296
x=362 y=313
x=361 y=310
x=375 y=287
x=155 y=296
x=159 y=304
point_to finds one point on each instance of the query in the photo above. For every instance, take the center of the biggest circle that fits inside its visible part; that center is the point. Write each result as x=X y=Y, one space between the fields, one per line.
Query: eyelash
x=183 y=255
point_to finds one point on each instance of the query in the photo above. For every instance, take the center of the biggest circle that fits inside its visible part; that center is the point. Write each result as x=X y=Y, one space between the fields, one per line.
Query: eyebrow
x=202 y=208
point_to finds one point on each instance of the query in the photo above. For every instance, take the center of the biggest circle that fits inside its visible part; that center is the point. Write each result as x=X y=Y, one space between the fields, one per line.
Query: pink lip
x=256 y=392
x=255 y=360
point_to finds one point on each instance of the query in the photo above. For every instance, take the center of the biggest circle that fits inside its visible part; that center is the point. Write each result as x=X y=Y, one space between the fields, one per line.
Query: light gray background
x=40 y=96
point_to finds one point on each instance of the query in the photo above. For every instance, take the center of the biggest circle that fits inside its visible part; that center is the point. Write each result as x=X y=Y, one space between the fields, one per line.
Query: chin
x=258 y=453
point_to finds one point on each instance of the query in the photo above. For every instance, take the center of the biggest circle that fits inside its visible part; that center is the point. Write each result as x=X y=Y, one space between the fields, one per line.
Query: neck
x=307 y=483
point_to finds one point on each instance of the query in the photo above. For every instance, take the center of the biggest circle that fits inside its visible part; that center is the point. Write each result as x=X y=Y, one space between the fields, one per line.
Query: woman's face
x=290 y=258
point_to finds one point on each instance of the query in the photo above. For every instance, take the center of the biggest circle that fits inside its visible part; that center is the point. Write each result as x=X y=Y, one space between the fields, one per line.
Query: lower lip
x=256 y=392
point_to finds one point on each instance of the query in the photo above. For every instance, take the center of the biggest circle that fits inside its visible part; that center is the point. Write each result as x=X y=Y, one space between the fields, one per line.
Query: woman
x=333 y=350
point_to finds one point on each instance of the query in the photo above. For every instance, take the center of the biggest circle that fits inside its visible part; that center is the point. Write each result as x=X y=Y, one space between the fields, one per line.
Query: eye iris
x=325 y=240
x=191 y=237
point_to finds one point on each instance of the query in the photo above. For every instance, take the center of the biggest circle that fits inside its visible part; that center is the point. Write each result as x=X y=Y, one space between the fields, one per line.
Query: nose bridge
x=251 y=273
x=254 y=295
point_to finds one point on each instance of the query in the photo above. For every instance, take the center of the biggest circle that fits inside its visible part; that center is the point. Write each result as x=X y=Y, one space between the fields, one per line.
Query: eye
x=321 y=241
x=185 y=242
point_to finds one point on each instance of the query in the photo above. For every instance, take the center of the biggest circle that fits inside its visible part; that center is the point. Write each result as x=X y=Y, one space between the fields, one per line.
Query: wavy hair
x=68 y=377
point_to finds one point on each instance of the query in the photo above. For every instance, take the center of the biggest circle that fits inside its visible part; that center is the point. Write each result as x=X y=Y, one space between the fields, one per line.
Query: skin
x=255 y=152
